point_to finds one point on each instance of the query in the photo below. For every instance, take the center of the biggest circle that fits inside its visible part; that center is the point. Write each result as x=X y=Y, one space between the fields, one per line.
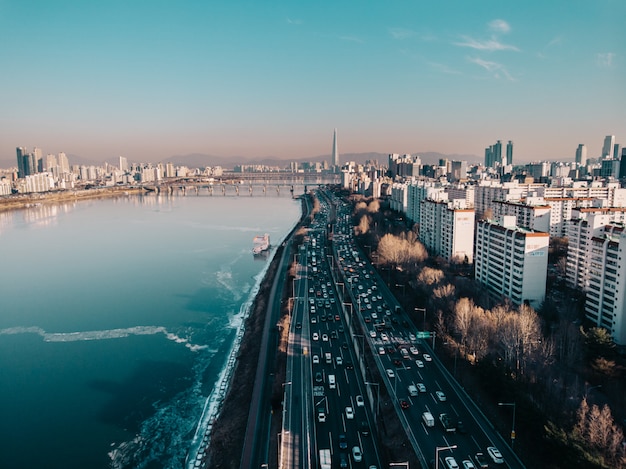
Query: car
x=440 y=395
x=318 y=377
x=316 y=336
x=414 y=350
x=427 y=357
x=404 y=404
x=321 y=415
x=349 y=413
x=372 y=334
x=481 y=460
x=390 y=373
x=356 y=454
x=451 y=463
x=359 y=401
x=365 y=428
x=343 y=461
x=397 y=362
x=420 y=387
x=467 y=464
x=460 y=427
x=411 y=335
x=381 y=350
x=325 y=337
x=495 y=455
x=340 y=329
x=368 y=319
x=333 y=334
x=343 y=443
x=313 y=319
x=298 y=325
x=316 y=359
x=419 y=363
x=349 y=365
x=384 y=336
x=374 y=316
x=339 y=361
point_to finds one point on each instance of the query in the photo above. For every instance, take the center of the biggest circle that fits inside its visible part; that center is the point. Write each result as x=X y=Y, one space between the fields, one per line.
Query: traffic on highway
x=344 y=318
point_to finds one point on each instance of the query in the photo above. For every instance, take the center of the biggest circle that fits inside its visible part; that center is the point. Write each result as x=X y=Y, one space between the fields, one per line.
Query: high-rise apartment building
x=607 y=147
x=447 y=229
x=416 y=192
x=493 y=155
x=581 y=154
x=509 y=153
x=605 y=304
x=585 y=224
x=622 y=164
x=511 y=262
x=21 y=161
x=533 y=213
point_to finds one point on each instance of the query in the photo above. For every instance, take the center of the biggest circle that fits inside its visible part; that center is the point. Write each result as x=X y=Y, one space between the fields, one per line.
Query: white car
x=316 y=336
x=356 y=454
x=419 y=363
x=325 y=337
x=467 y=464
x=451 y=463
x=372 y=334
x=349 y=413
x=390 y=373
x=381 y=350
x=316 y=359
x=359 y=401
x=313 y=319
x=412 y=336
x=374 y=316
x=383 y=335
x=441 y=396
x=339 y=361
x=495 y=455
x=427 y=357
x=420 y=387
x=414 y=350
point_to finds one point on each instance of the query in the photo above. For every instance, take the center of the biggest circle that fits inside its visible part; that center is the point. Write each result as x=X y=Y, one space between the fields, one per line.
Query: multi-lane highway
x=342 y=310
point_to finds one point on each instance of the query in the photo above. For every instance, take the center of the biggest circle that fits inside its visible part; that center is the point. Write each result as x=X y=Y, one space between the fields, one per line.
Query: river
x=116 y=319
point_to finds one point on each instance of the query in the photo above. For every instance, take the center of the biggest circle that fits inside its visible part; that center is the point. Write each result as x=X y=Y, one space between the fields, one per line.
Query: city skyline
x=149 y=81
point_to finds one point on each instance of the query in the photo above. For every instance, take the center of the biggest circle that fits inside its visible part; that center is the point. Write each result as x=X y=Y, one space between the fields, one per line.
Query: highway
x=342 y=310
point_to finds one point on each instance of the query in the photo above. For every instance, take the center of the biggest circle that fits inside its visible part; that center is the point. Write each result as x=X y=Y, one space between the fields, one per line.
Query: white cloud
x=499 y=26
x=401 y=33
x=605 y=59
x=498 y=70
x=490 y=45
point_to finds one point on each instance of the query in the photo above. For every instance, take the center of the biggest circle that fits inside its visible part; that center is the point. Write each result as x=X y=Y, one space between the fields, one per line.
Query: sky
x=149 y=79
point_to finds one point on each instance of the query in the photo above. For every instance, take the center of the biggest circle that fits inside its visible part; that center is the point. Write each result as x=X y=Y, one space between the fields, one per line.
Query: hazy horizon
x=150 y=80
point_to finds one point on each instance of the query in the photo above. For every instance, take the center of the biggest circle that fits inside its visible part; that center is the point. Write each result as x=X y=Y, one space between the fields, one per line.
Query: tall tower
x=335 y=151
x=509 y=153
x=21 y=153
x=581 y=154
x=607 y=148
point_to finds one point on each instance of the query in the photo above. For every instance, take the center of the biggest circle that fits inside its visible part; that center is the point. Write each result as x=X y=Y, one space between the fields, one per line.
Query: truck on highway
x=448 y=423
x=428 y=419
x=325 y=460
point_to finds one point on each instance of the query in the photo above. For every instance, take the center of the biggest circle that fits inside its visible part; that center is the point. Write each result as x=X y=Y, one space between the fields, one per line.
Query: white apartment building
x=584 y=225
x=605 y=305
x=5 y=187
x=488 y=191
x=398 y=200
x=533 y=215
x=418 y=191
x=610 y=192
x=447 y=229
x=512 y=261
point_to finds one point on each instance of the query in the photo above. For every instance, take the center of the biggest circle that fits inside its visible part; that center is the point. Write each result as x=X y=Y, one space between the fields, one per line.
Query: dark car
x=365 y=428
x=349 y=365
x=481 y=460
x=404 y=404
x=343 y=443
x=318 y=377
x=460 y=427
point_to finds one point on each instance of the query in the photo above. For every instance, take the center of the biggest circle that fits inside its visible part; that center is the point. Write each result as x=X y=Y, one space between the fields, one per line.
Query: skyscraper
x=21 y=153
x=509 y=153
x=607 y=148
x=581 y=154
x=335 y=151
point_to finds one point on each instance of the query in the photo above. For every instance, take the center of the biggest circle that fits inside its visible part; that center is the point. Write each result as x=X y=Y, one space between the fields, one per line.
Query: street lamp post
x=441 y=448
x=512 y=404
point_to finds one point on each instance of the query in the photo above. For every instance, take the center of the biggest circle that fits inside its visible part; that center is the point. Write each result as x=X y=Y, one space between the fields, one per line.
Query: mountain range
x=200 y=160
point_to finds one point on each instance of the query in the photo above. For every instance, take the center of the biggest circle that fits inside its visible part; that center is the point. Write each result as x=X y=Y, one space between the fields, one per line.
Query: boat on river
x=261 y=243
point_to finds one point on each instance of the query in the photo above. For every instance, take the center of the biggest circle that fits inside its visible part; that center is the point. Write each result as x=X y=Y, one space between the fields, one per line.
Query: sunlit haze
x=153 y=79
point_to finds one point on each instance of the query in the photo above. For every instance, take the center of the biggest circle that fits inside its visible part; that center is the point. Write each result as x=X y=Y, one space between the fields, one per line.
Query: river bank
x=20 y=201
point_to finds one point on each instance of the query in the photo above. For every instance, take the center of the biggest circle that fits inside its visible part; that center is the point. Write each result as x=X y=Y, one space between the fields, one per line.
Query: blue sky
x=152 y=79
